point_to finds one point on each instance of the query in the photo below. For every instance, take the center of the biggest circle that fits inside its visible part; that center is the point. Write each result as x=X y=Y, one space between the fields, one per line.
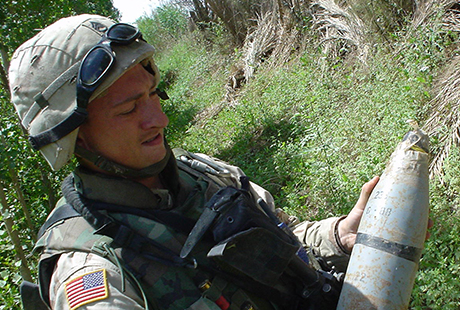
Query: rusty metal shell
x=392 y=231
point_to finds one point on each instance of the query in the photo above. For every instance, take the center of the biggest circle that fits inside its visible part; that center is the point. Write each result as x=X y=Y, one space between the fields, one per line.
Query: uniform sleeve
x=321 y=237
x=86 y=281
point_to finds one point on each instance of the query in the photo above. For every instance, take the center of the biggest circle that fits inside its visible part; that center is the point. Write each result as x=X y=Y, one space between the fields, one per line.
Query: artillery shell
x=392 y=231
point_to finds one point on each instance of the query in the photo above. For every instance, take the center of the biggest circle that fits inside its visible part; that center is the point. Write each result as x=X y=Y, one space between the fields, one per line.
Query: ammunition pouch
x=249 y=243
x=30 y=297
x=257 y=253
x=238 y=212
x=247 y=239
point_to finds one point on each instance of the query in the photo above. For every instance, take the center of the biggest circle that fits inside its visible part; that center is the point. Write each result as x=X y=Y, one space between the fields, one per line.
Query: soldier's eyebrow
x=129 y=99
x=134 y=97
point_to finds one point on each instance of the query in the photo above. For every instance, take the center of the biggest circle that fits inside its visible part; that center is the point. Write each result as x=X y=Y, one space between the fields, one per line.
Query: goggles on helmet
x=100 y=59
x=93 y=69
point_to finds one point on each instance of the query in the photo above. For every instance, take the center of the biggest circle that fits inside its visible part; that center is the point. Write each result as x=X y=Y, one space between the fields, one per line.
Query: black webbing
x=72 y=122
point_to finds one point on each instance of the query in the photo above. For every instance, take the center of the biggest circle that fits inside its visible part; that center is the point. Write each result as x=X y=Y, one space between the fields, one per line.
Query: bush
x=164 y=26
x=312 y=132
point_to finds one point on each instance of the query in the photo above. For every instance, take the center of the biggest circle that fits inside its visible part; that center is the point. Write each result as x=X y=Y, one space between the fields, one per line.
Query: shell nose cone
x=418 y=140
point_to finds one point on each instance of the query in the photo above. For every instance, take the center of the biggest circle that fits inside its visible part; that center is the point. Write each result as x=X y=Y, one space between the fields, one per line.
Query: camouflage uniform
x=54 y=76
x=167 y=287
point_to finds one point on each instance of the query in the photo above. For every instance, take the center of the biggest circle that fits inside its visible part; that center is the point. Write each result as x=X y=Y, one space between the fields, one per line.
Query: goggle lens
x=99 y=60
x=122 y=33
x=95 y=65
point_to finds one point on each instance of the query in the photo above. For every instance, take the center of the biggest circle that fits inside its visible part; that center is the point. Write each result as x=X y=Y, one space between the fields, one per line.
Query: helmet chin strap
x=120 y=170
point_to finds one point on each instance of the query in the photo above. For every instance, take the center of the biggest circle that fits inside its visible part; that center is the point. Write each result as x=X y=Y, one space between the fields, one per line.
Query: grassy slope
x=313 y=136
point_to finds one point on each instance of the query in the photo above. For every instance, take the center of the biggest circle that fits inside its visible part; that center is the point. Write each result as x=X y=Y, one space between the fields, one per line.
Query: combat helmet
x=50 y=90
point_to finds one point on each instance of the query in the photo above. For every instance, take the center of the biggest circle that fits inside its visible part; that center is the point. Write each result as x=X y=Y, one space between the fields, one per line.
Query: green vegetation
x=28 y=189
x=317 y=117
x=315 y=129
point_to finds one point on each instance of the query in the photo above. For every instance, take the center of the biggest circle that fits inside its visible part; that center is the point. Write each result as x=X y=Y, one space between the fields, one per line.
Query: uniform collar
x=125 y=192
x=120 y=191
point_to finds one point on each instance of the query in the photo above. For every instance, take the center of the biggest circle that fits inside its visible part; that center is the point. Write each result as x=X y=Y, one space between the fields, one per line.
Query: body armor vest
x=146 y=248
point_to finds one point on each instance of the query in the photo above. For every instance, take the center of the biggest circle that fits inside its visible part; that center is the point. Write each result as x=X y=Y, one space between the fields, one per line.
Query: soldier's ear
x=81 y=140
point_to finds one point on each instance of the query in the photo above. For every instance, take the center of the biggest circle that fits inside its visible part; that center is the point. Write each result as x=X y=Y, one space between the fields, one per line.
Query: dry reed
x=444 y=120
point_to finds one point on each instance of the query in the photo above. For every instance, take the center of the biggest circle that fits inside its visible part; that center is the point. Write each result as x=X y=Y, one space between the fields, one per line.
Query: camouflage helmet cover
x=43 y=65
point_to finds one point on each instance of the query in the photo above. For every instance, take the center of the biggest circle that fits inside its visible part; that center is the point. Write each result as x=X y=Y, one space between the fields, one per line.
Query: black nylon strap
x=404 y=251
x=212 y=209
x=176 y=221
x=124 y=171
x=62 y=213
x=122 y=234
x=72 y=122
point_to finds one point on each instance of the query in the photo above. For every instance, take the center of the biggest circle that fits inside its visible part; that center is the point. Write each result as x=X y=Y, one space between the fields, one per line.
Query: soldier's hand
x=348 y=227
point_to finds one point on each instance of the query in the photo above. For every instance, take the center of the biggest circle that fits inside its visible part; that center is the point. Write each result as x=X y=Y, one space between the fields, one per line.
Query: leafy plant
x=313 y=131
x=164 y=26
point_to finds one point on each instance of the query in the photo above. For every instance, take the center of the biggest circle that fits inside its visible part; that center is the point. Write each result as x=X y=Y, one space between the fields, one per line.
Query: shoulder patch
x=86 y=288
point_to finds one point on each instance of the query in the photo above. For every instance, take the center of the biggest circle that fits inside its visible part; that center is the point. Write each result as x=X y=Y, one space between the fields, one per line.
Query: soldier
x=88 y=86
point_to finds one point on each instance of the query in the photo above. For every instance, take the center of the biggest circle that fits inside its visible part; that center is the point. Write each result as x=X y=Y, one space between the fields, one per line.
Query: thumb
x=356 y=213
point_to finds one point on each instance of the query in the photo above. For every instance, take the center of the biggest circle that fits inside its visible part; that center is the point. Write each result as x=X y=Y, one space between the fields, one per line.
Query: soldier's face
x=126 y=125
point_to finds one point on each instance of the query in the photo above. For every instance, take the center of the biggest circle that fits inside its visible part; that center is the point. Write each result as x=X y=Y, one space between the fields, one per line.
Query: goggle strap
x=72 y=122
x=162 y=94
x=137 y=34
x=41 y=99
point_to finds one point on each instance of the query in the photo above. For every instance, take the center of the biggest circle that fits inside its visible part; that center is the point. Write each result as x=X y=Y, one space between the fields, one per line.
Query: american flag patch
x=86 y=288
